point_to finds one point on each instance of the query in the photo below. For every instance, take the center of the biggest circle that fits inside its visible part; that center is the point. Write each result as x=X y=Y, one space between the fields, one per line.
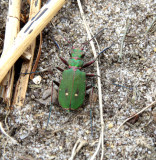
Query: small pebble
x=110 y=125
x=37 y=79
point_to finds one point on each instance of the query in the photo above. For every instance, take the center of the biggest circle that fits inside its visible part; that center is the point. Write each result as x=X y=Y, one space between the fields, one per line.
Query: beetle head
x=77 y=53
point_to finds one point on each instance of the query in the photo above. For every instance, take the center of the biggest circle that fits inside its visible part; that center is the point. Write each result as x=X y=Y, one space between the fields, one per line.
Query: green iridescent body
x=73 y=84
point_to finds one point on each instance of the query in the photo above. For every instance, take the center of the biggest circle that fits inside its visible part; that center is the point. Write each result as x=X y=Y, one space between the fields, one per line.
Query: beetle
x=72 y=87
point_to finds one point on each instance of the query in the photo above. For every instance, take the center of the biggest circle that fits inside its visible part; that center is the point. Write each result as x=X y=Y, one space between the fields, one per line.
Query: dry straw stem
x=28 y=34
x=2 y=130
x=101 y=139
x=151 y=28
x=12 y=29
x=123 y=38
x=22 y=83
x=78 y=145
x=37 y=59
x=136 y=114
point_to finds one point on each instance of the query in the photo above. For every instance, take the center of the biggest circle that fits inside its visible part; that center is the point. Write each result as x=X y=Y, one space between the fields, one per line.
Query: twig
x=101 y=140
x=59 y=130
x=3 y=158
x=123 y=39
x=11 y=31
x=38 y=58
x=136 y=114
x=8 y=112
x=78 y=145
x=97 y=149
x=152 y=24
x=2 y=130
x=22 y=83
x=28 y=33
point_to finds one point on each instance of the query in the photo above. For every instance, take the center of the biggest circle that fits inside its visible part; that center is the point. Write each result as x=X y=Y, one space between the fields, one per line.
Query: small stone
x=32 y=96
x=110 y=125
x=60 y=147
x=87 y=131
x=149 y=71
x=112 y=146
x=107 y=144
x=37 y=79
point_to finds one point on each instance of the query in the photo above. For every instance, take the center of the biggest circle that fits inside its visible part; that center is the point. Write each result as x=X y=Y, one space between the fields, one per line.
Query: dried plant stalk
x=78 y=145
x=26 y=55
x=101 y=139
x=12 y=29
x=28 y=34
x=136 y=114
x=3 y=131
x=22 y=83
x=37 y=59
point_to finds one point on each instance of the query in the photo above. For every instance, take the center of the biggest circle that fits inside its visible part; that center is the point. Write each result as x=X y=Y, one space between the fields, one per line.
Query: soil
x=128 y=85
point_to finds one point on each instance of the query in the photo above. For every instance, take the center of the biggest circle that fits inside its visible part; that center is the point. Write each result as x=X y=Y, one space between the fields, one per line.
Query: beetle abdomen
x=72 y=89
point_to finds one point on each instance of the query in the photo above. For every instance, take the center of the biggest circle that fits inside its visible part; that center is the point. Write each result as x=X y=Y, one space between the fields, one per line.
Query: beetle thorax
x=76 y=61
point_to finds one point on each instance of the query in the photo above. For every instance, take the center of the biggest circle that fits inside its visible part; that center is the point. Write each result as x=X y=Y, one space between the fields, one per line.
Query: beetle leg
x=51 y=104
x=88 y=64
x=57 y=83
x=89 y=86
x=64 y=61
x=91 y=105
x=92 y=75
x=60 y=69
x=91 y=62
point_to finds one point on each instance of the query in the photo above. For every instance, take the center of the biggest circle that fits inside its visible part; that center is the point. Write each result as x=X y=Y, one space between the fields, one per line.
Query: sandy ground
x=134 y=70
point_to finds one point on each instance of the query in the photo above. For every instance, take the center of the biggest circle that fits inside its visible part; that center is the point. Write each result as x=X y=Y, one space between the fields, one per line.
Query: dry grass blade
x=37 y=59
x=151 y=28
x=2 y=130
x=28 y=34
x=123 y=39
x=101 y=140
x=12 y=29
x=78 y=145
x=136 y=114
x=22 y=83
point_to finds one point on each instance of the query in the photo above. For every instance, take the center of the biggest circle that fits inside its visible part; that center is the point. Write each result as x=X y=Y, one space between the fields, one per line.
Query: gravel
x=128 y=85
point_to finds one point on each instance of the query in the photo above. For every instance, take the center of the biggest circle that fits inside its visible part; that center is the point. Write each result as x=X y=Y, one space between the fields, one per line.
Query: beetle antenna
x=56 y=45
x=50 y=105
x=85 y=43
x=61 y=35
x=104 y=50
x=91 y=115
x=31 y=72
x=49 y=115
x=118 y=85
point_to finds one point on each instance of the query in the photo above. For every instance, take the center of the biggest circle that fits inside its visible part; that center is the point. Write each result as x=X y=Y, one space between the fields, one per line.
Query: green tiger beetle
x=72 y=88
